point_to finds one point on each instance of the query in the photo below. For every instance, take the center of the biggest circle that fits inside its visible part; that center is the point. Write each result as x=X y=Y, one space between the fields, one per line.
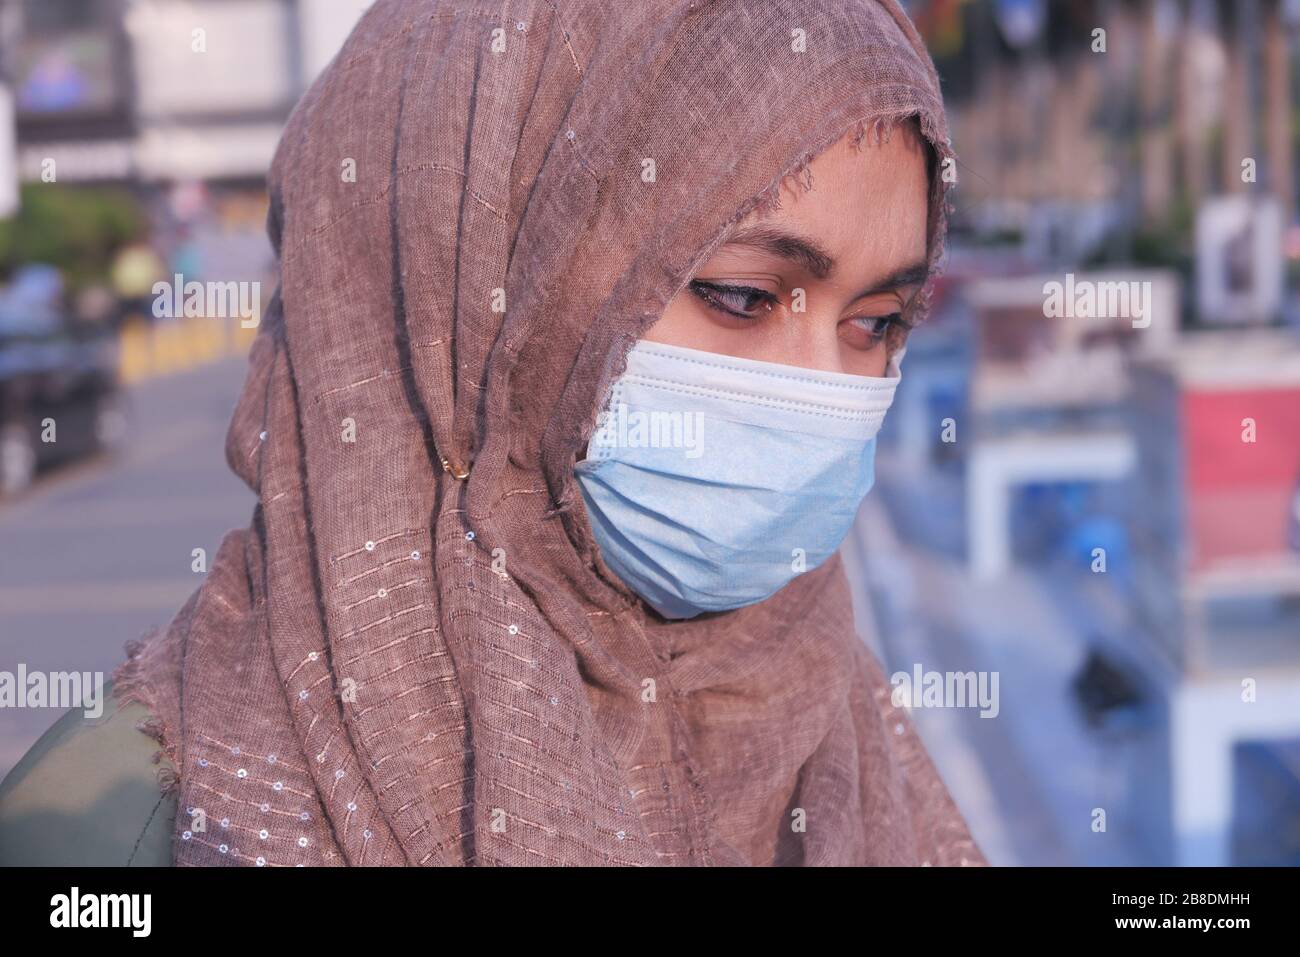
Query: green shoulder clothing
x=87 y=794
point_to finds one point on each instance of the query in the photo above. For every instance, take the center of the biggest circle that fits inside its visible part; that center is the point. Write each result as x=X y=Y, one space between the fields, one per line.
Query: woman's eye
x=879 y=325
x=743 y=301
x=868 y=332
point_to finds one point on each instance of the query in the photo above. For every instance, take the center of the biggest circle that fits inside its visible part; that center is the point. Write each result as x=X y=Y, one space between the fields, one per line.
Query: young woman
x=586 y=325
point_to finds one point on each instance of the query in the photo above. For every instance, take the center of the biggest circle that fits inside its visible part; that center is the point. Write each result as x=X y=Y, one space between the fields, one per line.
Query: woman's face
x=827 y=281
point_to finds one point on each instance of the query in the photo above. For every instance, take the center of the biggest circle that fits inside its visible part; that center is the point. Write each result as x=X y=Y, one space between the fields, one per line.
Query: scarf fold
x=414 y=653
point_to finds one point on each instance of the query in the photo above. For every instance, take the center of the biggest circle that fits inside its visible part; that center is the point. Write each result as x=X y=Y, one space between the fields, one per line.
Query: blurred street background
x=1089 y=484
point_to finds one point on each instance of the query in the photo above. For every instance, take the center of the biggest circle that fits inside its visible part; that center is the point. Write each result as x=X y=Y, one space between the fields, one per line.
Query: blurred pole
x=1153 y=132
x=987 y=69
x=1040 y=81
x=1125 y=175
x=1189 y=110
x=1277 y=108
x=9 y=190
x=1236 y=94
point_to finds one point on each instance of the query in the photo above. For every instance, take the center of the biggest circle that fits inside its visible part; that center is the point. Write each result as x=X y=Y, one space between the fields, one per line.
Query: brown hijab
x=414 y=654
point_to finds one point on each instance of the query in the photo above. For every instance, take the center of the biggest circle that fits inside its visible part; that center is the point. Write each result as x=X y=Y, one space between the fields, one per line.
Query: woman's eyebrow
x=798 y=249
x=914 y=275
x=805 y=252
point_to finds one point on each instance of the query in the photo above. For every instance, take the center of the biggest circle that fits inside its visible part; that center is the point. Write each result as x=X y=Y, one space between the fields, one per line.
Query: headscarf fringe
x=131 y=686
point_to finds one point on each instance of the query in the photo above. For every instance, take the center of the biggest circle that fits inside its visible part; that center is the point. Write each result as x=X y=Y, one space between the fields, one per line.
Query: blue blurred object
x=53 y=374
x=1266 y=803
x=31 y=305
x=1099 y=531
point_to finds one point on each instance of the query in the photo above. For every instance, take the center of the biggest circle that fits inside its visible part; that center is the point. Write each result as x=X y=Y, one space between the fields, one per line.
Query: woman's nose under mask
x=712 y=481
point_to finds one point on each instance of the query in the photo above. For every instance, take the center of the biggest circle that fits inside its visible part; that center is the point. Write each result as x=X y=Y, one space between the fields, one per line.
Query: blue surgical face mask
x=712 y=481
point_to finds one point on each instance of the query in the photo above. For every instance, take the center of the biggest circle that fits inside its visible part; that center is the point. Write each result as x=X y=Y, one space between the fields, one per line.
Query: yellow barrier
x=147 y=350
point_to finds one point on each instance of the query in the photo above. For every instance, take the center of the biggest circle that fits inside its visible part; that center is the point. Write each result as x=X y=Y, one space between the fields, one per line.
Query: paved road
x=99 y=552
x=1044 y=769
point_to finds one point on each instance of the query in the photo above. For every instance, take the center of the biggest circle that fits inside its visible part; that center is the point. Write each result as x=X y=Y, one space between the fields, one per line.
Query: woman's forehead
x=856 y=162
x=855 y=205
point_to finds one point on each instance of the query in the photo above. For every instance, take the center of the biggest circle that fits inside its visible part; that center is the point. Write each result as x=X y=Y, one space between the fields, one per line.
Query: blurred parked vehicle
x=59 y=396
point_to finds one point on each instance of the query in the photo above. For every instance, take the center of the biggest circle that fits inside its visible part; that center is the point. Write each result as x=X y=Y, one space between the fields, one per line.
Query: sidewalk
x=147 y=350
x=99 y=551
x=1028 y=779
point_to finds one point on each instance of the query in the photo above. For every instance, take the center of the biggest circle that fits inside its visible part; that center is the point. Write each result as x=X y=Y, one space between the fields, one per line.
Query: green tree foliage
x=76 y=228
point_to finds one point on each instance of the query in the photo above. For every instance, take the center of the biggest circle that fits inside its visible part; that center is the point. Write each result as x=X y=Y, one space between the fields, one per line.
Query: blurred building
x=1218 y=572
x=180 y=101
x=163 y=90
x=1104 y=505
x=1086 y=122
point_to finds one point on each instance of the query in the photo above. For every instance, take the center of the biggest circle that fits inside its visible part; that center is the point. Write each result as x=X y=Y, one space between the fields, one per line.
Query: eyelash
x=712 y=295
